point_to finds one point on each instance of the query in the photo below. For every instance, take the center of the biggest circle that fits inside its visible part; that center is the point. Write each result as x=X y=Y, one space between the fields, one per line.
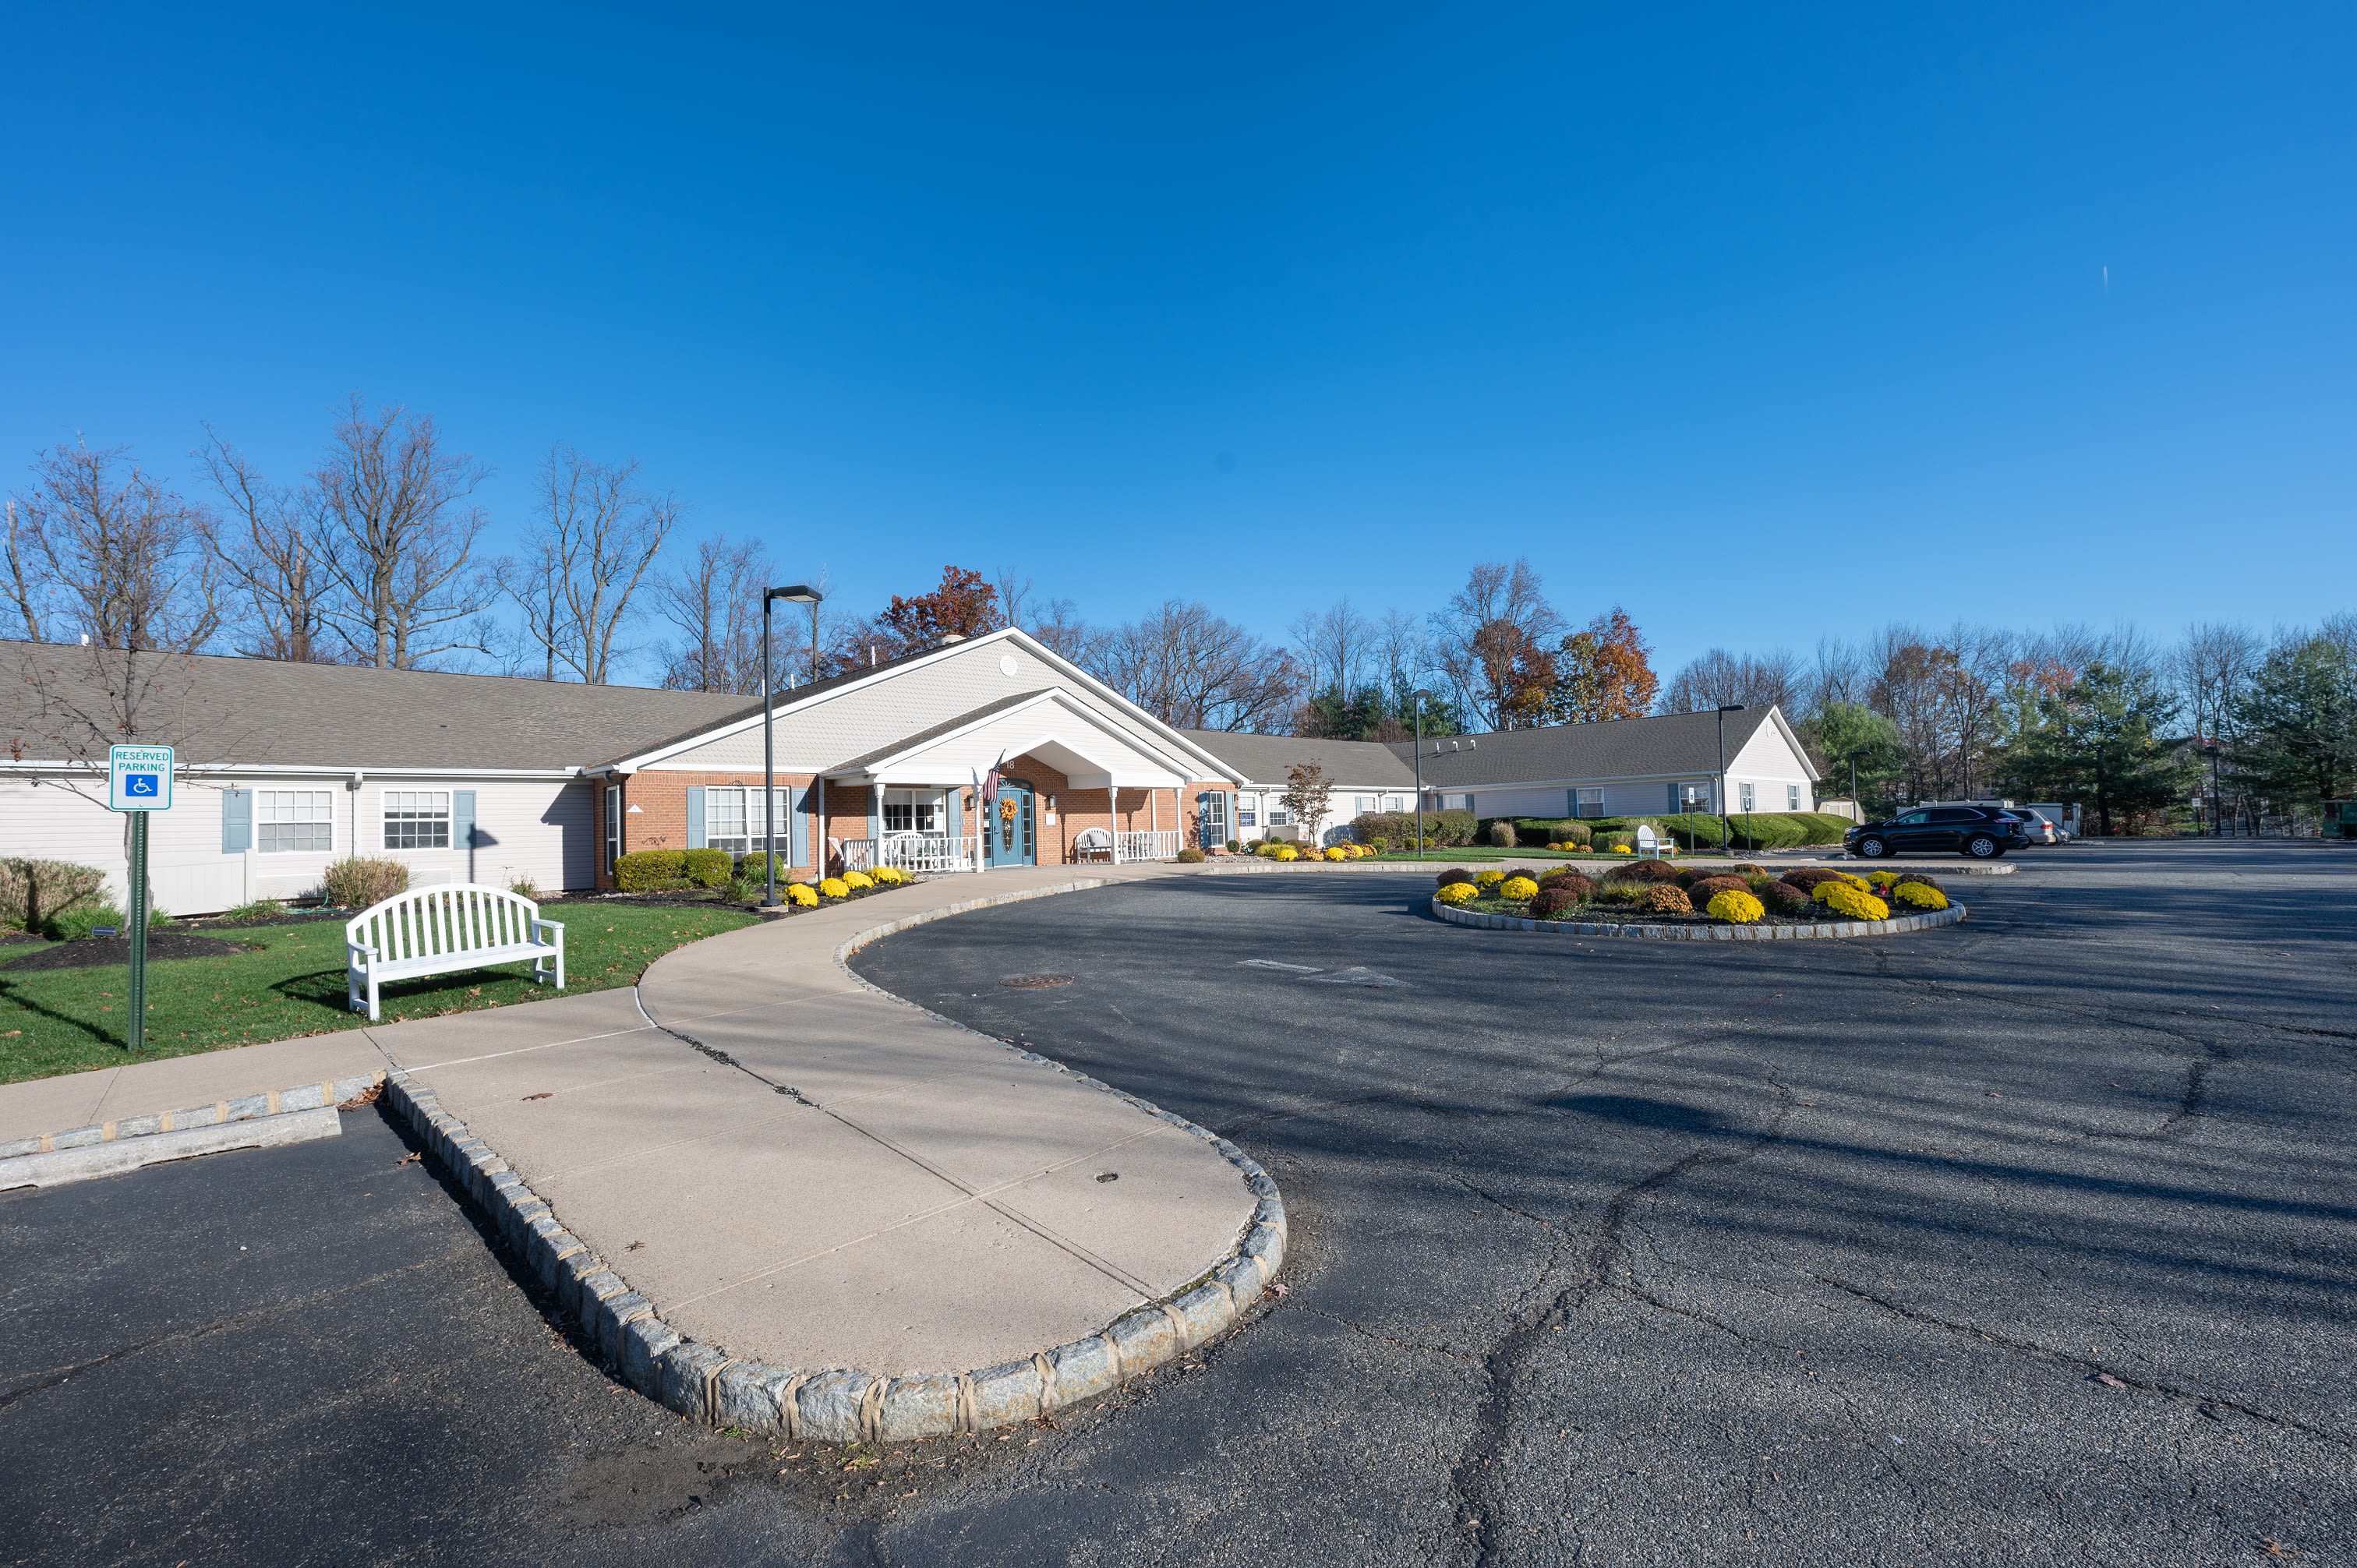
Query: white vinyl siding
x=294 y=822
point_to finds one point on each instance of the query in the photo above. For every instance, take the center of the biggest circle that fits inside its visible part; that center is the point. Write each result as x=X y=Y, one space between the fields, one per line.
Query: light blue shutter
x=796 y=850
x=1675 y=802
x=695 y=817
x=1571 y=802
x=956 y=817
x=876 y=820
x=237 y=821
x=462 y=818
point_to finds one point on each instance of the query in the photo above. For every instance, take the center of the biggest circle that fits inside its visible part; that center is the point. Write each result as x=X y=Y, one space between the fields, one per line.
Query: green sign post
x=139 y=782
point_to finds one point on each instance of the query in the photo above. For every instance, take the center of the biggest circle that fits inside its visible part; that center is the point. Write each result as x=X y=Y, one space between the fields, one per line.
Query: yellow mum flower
x=1857 y=904
x=1286 y=851
x=1921 y=897
x=802 y=893
x=1335 y=853
x=1456 y=893
x=833 y=888
x=1488 y=879
x=1520 y=889
x=1734 y=907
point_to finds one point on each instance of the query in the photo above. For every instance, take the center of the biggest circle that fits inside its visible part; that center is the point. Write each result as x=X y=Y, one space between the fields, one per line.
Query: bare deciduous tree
x=1190 y=668
x=1492 y=639
x=596 y=540
x=1719 y=678
x=100 y=550
x=394 y=531
x=2213 y=667
x=271 y=557
x=714 y=602
x=1337 y=647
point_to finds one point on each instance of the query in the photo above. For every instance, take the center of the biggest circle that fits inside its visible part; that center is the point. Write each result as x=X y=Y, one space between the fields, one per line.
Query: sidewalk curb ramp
x=842 y=1405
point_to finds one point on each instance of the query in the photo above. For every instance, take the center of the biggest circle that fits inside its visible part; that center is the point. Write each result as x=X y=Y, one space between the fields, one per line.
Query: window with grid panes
x=294 y=820
x=418 y=818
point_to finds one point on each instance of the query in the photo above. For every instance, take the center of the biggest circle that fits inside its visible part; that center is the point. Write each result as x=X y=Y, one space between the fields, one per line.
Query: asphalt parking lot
x=2029 y=1240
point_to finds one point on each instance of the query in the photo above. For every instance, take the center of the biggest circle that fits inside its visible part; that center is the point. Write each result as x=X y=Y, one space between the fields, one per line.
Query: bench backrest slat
x=448 y=919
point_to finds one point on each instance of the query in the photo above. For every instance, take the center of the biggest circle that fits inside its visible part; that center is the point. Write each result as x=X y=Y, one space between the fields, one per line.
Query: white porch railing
x=940 y=852
x=931 y=852
x=1161 y=846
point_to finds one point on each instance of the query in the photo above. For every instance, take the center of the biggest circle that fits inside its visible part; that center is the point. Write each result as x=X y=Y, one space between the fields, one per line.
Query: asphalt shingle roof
x=218 y=709
x=1683 y=744
x=1263 y=759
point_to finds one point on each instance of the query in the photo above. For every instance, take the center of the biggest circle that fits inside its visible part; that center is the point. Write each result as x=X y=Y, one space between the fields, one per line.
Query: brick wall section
x=662 y=819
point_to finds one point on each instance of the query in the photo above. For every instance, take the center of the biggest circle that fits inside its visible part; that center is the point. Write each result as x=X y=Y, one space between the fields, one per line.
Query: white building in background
x=1626 y=767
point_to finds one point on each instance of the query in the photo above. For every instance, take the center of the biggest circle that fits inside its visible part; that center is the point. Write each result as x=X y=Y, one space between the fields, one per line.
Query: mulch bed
x=97 y=951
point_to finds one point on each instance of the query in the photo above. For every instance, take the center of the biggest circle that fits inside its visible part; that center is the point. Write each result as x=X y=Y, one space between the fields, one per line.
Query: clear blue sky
x=1739 y=318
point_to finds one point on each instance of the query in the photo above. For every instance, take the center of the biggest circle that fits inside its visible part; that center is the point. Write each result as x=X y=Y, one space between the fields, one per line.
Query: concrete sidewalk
x=851 y=1182
x=142 y=1089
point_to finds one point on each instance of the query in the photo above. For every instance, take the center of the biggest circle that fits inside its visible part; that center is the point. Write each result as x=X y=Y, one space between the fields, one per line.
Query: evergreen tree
x=2097 y=744
x=2295 y=726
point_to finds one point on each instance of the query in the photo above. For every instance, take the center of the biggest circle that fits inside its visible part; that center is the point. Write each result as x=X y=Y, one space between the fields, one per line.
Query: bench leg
x=560 y=964
x=351 y=988
x=373 y=1001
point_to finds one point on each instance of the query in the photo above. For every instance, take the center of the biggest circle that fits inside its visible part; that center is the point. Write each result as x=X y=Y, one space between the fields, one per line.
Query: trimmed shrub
x=1709 y=887
x=1807 y=877
x=1190 y=857
x=357 y=882
x=706 y=867
x=1579 y=883
x=1501 y=834
x=750 y=865
x=1442 y=830
x=1454 y=874
x=1664 y=900
x=1554 y=903
x=802 y=896
x=1456 y=893
x=1519 y=889
x=1611 y=892
x=1736 y=906
x=650 y=868
x=1645 y=871
x=833 y=888
x=35 y=892
x=1786 y=899
x=1857 y=904
x=1921 y=895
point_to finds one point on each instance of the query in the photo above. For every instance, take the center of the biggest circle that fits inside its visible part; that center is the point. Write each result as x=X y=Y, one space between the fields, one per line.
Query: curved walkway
x=757 y=1161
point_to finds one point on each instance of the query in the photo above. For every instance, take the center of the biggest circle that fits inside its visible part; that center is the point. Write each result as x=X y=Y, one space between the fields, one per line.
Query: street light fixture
x=1419 y=697
x=800 y=594
x=1726 y=832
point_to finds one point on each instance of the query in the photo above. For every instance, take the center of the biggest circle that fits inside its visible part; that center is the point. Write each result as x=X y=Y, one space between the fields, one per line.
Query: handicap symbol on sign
x=140 y=784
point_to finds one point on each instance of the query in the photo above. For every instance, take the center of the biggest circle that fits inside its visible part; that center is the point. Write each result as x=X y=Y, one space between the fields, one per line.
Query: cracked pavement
x=2029 y=1240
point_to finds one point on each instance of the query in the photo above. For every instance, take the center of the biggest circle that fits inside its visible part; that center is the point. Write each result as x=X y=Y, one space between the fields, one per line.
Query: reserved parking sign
x=139 y=778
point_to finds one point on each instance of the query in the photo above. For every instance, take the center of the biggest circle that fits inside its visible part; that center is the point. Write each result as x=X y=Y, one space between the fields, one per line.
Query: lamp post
x=800 y=594
x=1419 y=697
x=1726 y=832
x=2211 y=748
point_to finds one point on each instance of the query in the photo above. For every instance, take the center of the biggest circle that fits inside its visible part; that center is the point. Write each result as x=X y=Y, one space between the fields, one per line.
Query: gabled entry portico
x=1071 y=785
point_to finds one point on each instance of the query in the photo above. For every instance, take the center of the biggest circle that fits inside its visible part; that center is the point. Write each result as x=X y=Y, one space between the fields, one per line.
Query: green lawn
x=64 y=1020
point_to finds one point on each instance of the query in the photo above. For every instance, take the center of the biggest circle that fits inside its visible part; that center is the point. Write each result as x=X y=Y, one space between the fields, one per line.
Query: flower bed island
x=1654 y=899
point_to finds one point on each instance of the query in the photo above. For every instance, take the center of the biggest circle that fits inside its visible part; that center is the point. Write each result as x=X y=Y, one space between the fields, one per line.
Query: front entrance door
x=1009 y=838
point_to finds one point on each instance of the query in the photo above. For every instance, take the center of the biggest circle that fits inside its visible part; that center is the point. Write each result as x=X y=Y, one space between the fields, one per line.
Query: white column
x=1113 y=817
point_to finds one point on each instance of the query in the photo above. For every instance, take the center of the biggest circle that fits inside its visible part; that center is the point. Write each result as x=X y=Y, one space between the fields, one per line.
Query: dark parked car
x=1978 y=831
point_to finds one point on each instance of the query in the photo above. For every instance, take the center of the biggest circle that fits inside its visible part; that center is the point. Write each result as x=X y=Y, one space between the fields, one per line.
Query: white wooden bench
x=1092 y=845
x=444 y=929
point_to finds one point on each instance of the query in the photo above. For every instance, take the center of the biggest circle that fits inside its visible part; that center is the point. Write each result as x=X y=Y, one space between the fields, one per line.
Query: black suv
x=1978 y=831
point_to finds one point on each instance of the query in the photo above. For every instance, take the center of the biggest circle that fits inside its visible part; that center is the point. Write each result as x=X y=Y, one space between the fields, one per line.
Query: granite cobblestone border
x=341 y=1092
x=1484 y=920
x=842 y=1405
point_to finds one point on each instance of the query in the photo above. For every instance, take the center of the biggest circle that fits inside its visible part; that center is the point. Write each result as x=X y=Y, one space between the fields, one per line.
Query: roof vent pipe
x=950 y=637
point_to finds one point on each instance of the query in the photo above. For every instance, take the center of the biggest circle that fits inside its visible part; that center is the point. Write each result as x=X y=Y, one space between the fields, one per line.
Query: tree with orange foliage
x=1603 y=672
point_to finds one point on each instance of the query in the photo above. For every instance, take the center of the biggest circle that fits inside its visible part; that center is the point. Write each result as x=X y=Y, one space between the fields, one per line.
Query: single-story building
x=1623 y=767
x=284 y=768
